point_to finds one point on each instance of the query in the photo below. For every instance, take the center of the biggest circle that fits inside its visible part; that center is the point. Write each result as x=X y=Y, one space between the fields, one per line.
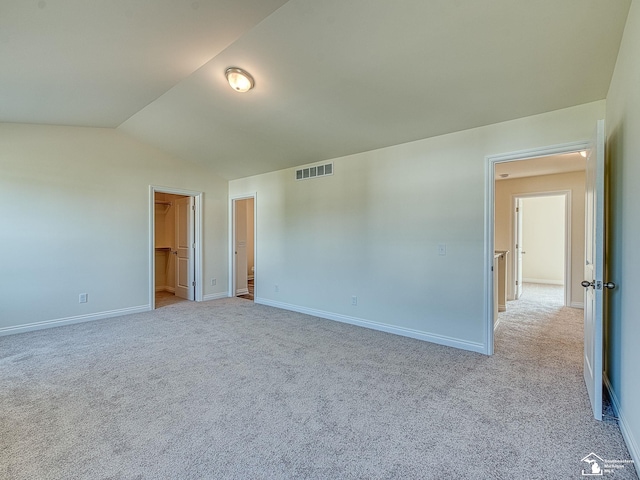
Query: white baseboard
x=627 y=435
x=215 y=296
x=165 y=289
x=29 y=327
x=383 y=327
x=543 y=281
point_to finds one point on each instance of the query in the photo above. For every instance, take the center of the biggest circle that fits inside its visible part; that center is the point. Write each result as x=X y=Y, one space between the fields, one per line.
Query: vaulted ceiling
x=333 y=77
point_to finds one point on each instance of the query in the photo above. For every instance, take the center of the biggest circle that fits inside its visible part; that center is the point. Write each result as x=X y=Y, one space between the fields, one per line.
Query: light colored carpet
x=232 y=389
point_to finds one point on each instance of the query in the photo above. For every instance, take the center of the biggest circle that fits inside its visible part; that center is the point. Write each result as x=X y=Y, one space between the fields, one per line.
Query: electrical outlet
x=213 y=282
x=277 y=288
x=442 y=249
x=83 y=298
x=354 y=300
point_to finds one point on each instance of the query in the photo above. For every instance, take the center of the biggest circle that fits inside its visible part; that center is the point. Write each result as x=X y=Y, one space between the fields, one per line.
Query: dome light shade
x=239 y=80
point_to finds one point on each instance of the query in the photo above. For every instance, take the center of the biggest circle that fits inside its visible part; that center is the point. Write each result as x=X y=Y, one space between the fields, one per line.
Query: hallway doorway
x=555 y=170
x=243 y=244
x=541 y=242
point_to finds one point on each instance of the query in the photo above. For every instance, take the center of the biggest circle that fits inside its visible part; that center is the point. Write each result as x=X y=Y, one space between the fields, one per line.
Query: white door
x=240 y=252
x=594 y=270
x=185 y=283
x=519 y=252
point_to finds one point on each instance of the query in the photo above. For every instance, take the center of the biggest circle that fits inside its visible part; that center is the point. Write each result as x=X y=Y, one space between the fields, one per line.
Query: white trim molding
x=215 y=296
x=165 y=289
x=58 y=322
x=382 y=327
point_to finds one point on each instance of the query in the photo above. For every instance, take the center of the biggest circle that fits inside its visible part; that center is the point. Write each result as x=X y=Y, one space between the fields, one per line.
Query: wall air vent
x=315 y=171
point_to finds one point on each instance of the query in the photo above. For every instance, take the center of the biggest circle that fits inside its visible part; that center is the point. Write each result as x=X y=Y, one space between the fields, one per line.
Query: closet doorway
x=175 y=246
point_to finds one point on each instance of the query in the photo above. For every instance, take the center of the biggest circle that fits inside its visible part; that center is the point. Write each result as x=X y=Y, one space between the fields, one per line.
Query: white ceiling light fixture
x=240 y=80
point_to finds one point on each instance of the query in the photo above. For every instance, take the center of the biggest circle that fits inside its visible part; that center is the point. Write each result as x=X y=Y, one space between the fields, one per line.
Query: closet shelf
x=166 y=205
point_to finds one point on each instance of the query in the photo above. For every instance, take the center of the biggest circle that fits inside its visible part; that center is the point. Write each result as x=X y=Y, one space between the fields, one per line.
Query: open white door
x=519 y=252
x=185 y=283
x=594 y=270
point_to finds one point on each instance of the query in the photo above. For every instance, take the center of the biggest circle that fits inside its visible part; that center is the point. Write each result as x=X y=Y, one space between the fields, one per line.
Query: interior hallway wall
x=573 y=181
x=543 y=238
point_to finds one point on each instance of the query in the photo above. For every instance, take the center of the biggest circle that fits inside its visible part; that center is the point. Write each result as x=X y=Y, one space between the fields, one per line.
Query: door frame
x=232 y=240
x=566 y=194
x=489 y=220
x=197 y=238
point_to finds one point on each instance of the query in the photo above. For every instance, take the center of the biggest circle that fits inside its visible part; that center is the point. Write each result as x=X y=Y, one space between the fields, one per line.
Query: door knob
x=587 y=284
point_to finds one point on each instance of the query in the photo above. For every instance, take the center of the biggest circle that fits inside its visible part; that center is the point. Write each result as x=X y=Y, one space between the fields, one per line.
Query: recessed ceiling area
x=550 y=165
x=332 y=78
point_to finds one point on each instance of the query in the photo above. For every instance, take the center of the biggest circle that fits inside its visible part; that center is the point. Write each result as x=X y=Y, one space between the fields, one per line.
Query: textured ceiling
x=332 y=78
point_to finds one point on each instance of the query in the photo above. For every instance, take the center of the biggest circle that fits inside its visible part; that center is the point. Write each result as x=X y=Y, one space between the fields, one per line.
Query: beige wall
x=504 y=192
x=543 y=239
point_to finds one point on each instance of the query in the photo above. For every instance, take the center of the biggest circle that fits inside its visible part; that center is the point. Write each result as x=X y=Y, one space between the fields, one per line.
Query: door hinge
x=492 y=269
x=517 y=209
x=193 y=207
x=517 y=282
x=193 y=245
x=193 y=284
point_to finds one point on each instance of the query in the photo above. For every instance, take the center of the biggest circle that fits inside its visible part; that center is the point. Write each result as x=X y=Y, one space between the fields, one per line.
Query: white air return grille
x=314 y=172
